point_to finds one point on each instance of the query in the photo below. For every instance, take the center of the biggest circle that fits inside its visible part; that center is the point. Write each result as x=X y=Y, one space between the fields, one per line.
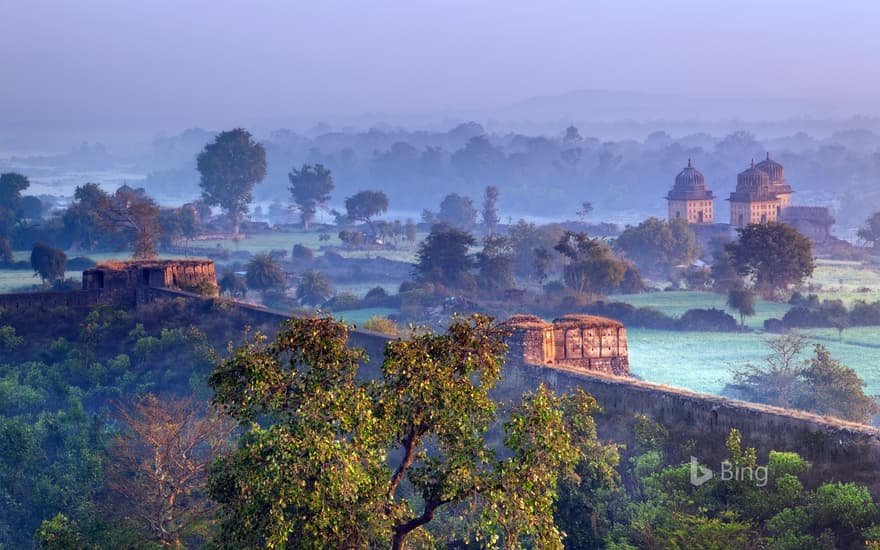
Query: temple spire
x=689 y=163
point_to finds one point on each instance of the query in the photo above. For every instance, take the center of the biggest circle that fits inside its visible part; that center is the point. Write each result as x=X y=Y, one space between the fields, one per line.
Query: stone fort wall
x=588 y=353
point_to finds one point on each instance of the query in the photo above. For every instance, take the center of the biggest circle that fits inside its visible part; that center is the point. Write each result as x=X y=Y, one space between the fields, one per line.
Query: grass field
x=703 y=361
x=676 y=303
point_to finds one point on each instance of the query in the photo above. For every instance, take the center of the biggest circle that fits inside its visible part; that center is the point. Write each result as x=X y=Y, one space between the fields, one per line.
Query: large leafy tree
x=775 y=255
x=656 y=246
x=134 y=218
x=364 y=205
x=591 y=266
x=49 y=263
x=11 y=186
x=338 y=462
x=458 y=211
x=82 y=217
x=443 y=256
x=310 y=187
x=230 y=167
x=495 y=263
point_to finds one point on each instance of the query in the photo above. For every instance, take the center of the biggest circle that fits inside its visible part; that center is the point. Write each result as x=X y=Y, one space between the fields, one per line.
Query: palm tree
x=264 y=274
x=314 y=288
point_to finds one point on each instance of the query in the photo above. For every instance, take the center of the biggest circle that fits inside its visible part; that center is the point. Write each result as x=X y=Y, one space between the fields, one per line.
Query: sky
x=216 y=62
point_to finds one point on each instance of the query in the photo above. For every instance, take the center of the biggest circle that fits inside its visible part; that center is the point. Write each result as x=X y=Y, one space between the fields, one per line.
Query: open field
x=847 y=281
x=676 y=303
x=702 y=361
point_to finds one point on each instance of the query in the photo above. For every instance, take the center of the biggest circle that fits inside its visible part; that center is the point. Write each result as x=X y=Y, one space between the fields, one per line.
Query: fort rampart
x=571 y=352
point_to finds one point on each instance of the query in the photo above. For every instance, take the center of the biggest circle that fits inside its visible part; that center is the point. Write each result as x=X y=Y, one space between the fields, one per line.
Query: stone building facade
x=581 y=342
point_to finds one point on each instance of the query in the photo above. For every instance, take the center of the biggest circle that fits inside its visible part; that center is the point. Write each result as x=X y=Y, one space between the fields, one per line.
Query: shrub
x=376 y=293
x=712 y=319
x=381 y=324
x=342 y=302
x=302 y=253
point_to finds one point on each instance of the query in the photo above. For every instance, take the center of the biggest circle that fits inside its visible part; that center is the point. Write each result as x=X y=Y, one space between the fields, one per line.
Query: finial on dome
x=768 y=155
x=689 y=162
x=753 y=162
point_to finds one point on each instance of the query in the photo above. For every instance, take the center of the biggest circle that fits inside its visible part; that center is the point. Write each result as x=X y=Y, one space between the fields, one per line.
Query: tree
x=232 y=285
x=11 y=186
x=82 y=217
x=339 y=462
x=158 y=466
x=775 y=255
x=495 y=263
x=821 y=385
x=310 y=187
x=586 y=208
x=656 y=246
x=230 y=167
x=743 y=301
x=591 y=266
x=314 y=288
x=723 y=274
x=363 y=205
x=134 y=218
x=777 y=382
x=870 y=233
x=265 y=274
x=457 y=211
x=834 y=389
x=178 y=224
x=48 y=262
x=31 y=207
x=443 y=256
x=490 y=208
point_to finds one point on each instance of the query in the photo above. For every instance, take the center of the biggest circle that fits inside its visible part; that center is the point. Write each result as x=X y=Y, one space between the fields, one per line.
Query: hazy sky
x=212 y=62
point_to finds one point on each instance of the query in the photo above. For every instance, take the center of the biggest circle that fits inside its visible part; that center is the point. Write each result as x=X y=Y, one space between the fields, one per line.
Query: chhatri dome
x=689 y=184
x=752 y=182
x=689 y=199
x=773 y=169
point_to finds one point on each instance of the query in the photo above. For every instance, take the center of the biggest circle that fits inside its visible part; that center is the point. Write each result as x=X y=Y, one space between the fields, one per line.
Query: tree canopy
x=656 y=246
x=458 y=211
x=48 y=262
x=339 y=462
x=314 y=288
x=775 y=255
x=364 y=205
x=591 y=266
x=11 y=186
x=821 y=385
x=230 y=167
x=310 y=187
x=264 y=273
x=443 y=257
